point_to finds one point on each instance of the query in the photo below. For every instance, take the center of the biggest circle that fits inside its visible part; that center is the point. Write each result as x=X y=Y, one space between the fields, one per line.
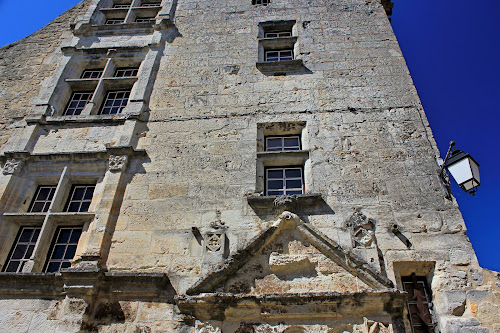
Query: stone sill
x=266 y=202
x=95 y=118
x=163 y=21
x=277 y=42
x=280 y=66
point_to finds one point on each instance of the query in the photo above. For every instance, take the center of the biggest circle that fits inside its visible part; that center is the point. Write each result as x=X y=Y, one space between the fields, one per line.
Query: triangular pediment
x=291 y=257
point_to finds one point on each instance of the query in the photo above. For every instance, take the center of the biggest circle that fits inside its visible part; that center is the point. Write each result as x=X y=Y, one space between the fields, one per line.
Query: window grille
x=91 y=74
x=77 y=103
x=282 y=143
x=80 y=198
x=419 y=304
x=22 y=249
x=63 y=248
x=126 y=72
x=284 y=181
x=42 y=199
x=281 y=55
x=115 y=102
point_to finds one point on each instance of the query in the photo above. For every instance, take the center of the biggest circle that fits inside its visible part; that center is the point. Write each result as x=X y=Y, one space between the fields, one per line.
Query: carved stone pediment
x=288 y=272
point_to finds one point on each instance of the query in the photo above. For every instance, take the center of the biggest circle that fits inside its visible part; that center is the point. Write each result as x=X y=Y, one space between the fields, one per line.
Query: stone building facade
x=226 y=166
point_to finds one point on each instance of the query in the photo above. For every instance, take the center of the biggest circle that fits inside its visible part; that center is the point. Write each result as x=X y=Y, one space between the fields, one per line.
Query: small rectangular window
x=43 y=198
x=22 y=249
x=284 y=181
x=145 y=20
x=278 y=34
x=282 y=143
x=80 y=198
x=261 y=2
x=279 y=55
x=419 y=303
x=114 y=21
x=151 y=4
x=115 y=102
x=91 y=74
x=63 y=248
x=77 y=103
x=119 y=5
x=126 y=72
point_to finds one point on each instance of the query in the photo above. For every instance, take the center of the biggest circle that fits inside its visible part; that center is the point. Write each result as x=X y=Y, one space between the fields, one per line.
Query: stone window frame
x=281 y=159
x=423 y=270
x=286 y=40
x=53 y=101
x=65 y=174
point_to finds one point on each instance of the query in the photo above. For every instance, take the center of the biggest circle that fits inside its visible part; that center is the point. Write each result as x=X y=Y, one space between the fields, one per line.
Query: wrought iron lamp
x=463 y=168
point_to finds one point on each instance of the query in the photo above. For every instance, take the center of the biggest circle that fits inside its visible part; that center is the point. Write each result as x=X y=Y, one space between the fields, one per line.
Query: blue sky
x=452 y=49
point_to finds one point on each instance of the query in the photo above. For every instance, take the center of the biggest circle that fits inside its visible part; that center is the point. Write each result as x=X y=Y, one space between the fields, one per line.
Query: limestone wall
x=25 y=64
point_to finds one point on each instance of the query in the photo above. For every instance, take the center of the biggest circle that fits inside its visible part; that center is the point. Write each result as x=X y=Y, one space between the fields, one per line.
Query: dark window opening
x=42 y=199
x=282 y=143
x=261 y=2
x=115 y=102
x=419 y=303
x=284 y=181
x=63 y=248
x=80 y=198
x=77 y=103
x=91 y=74
x=22 y=249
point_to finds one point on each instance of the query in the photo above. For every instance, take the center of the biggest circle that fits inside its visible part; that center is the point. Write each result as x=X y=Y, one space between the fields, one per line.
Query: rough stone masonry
x=226 y=166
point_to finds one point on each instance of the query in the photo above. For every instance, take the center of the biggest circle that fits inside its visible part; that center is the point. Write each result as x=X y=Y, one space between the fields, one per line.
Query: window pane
x=293 y=173
x=294 y=183
x=26 y=235
x=75 y=236
x=12 y=266
x=89 y=193
x=274 y=173
x=65 y=264
x=58 y=252
x=274 y=192
x=275 y=184
x=291 y=142
x=19 y=252
x=274 y=142
x=293 y=192
x=29 y=252
x=84 y=207
x=70 y=252
x=74 y=207
x=64 y=235
x=53 y=267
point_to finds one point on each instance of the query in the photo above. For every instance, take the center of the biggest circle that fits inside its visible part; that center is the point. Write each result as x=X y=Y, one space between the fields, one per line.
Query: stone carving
x=214 y=242
x=287 y=219
x=117 y=162
x=11 y=166
x=285 y=203
x=207 y=328
x=370 y=326
x=362 y=230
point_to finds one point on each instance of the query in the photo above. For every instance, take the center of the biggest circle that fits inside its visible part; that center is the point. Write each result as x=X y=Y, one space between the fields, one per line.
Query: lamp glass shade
x=464 y=169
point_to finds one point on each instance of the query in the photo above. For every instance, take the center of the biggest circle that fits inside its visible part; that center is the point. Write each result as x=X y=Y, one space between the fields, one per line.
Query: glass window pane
x=293 y=173
x=274 y=173
x=58 y=252
x=274 y=142
x=70 y=252
x=26 y=235
x=291 y=142
x=75 y=236
x=274 y=192
x=84 y=206
x=12 y=266
x=19 y=251
x=64 y=235
x=74 y=207
x=78 y=193
x=53 y=267
x=275 y=184
x=29 y=252
x=43 y=193
x=293 y=192
x=89 y=193
x=294 y=183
